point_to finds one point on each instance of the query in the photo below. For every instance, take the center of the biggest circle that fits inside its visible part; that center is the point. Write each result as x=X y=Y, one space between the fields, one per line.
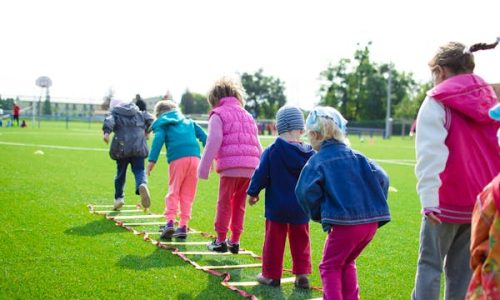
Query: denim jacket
x=340 y=186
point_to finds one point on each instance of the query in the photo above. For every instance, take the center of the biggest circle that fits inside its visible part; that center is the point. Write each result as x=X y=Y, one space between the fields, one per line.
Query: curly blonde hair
x=226 y=87
x=164 y=106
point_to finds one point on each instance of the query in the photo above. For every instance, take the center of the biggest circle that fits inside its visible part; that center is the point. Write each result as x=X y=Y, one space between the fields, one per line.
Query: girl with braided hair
x=457 y=156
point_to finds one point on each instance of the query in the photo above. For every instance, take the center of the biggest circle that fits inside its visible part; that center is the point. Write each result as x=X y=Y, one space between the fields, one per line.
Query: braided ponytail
x=483 y=46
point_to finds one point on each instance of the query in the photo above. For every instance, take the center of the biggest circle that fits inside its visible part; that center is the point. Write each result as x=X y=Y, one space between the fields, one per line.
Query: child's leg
x=457 y=268
x=273 y=248
x=121 y=173
x=223 y=213
x=300 y=247
x=138 y=170
x=238 y=204
x=188 y=189
x=337 y=268
x=176 y=174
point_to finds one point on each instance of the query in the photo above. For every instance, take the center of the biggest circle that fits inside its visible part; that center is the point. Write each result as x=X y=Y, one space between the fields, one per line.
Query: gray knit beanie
x=289 y=118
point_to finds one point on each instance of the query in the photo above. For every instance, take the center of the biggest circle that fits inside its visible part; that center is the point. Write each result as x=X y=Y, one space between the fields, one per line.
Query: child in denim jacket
x=347 y=194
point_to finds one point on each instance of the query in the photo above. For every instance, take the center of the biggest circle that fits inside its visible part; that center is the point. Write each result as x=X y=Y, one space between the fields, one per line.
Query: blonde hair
x=327 y=129
x=457 y=58
x=226 y=87
x=164 y=106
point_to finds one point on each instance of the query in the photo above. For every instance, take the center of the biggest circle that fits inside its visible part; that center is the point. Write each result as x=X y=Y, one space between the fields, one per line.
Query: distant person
x=345 y=192
x=233 y=143
x=23 y=123
x=180 y=136
x=16 y=110
x=140 y=103
x=457 y=155
x=128 y=146
x=278 y=172
x=485 y=237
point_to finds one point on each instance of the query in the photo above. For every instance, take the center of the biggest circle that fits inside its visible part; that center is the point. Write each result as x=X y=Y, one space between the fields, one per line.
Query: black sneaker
x=268 y=281
x=217 y=247
x=180 y=232
x=168 y=230
x=234 y=248
x=302 y=282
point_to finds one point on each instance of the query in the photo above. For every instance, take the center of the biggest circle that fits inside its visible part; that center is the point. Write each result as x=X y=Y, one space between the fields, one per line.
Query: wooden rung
x=212 y=253
x=253 y=283
x=106 y=205
x=117 y=211
x=230 y=267
x=184 y=243
x=138 y=217
x=159 y=232
x=143 y=223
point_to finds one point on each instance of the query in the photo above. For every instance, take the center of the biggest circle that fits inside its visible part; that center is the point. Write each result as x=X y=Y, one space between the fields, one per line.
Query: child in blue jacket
x=347 y=194
x=180 y=136
x=278 y=172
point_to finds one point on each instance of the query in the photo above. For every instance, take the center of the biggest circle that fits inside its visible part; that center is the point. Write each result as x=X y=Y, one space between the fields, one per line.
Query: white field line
x=402 y=162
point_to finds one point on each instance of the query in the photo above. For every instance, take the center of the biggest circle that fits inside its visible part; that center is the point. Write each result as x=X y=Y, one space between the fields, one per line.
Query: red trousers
x=274 y=247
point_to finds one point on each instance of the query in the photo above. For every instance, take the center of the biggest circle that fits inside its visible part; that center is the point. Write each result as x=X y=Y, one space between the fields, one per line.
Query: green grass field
x=52 y=247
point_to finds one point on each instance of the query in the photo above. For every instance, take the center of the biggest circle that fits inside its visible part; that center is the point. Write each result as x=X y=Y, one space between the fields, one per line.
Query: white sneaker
x=145 y=197
x=118 y=203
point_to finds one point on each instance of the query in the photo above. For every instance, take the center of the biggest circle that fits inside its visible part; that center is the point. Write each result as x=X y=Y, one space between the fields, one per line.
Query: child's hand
x=433 y=218
x=106 y=138
x=252 y=200
x=151 y=166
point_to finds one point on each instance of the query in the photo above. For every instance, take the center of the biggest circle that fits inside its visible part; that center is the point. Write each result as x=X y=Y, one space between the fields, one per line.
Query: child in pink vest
x=457 y=156
x=234 y=144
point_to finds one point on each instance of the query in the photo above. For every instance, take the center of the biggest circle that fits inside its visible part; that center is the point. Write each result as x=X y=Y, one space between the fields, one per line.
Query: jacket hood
x=468 y=94
x=168 y=118
x=294 y=155
x=126 y=110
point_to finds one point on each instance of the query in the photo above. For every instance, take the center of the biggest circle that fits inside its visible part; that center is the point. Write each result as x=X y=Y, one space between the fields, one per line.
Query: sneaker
x=302 y=282
x=180 y=232
x=118 y=203
x=145 y=197
x=268 y=281
x=234 y=248
x=217 y=246
x=168 y=230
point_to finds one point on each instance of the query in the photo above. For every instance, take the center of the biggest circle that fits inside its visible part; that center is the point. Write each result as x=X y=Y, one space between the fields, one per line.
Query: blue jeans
x=137 y=164
x=443 y=246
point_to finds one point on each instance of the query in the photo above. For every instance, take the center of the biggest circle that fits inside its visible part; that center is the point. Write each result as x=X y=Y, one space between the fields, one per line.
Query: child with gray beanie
x=278 y=172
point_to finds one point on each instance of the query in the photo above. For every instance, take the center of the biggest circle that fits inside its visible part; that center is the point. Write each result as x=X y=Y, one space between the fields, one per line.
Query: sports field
x=52 y=247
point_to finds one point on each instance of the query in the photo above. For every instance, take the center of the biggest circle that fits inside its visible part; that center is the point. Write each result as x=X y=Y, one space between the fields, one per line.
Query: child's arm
x=381 y=176
x=309 y=192
x=201 y=135
x=214 y=141
x=107 y=127
x=260 y=179
x=156 y=146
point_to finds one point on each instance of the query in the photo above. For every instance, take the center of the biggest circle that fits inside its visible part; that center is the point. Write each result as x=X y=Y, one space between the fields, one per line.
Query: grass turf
x=53 y=248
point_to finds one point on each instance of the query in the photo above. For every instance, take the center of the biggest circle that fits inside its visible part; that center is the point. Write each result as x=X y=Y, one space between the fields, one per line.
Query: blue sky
x=147 y=47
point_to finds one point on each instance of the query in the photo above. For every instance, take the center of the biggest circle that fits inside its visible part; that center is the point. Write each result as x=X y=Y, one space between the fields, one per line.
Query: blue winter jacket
x=278 y=172
x=179 y=135
x=340 y=186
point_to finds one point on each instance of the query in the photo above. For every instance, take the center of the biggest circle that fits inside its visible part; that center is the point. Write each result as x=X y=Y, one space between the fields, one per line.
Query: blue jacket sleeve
x=381 y=176
x=200 y=134
x=260 y=179
x=309 y=192
x=109 y=124
x=158 y=142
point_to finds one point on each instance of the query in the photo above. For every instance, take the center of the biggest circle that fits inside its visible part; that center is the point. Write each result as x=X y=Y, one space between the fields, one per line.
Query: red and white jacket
x=456 y=146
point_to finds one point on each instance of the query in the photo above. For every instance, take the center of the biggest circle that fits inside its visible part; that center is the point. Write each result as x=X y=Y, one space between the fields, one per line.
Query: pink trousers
x=231 y=207
x=181 y=188
x=274 y=247
x=338 y=266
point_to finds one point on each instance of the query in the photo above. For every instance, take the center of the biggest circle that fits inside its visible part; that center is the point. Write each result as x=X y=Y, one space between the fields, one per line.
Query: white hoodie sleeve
x=431 y=151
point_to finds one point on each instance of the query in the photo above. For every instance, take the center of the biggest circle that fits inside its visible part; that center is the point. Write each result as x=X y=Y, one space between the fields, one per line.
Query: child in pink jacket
x=234 y=144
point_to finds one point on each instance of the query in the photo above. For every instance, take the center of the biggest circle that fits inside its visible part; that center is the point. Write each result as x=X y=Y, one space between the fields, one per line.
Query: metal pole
x=388 y=110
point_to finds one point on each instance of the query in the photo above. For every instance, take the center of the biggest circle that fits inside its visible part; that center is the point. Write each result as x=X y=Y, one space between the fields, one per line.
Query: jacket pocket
x=117 y=150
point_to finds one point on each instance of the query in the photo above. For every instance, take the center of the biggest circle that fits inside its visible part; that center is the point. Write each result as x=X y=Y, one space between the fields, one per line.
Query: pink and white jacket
x=456 y=146
x=232 y=141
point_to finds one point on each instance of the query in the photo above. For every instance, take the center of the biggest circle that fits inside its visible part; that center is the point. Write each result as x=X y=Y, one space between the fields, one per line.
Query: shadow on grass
x=212 y=291
x=267 y=292
x=94 y=228
x=160 y=258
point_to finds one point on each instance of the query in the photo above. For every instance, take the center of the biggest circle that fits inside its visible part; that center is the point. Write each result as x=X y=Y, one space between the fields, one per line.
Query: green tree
x=47 y=108
x=194 y=103
x=265 y=94
x=358 y=86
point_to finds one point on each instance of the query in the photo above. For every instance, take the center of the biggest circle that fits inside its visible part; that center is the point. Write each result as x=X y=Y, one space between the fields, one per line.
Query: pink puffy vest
x=474 y=157
x=240 y=144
